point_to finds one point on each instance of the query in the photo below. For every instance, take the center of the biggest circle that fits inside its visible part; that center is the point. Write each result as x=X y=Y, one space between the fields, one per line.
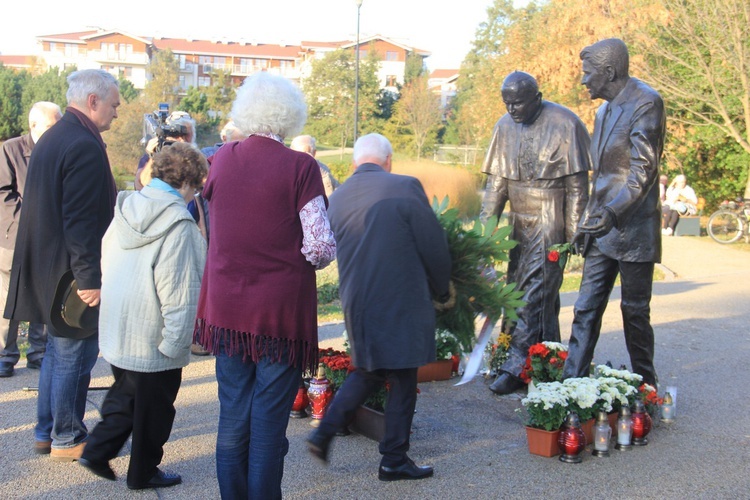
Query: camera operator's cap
x=70 y=317
x=178 y=115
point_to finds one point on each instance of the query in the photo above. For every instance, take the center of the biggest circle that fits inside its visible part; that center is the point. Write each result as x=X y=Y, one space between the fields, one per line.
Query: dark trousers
x=399 y=409
x=141 y=404
x=669 y=217
x=599 y=273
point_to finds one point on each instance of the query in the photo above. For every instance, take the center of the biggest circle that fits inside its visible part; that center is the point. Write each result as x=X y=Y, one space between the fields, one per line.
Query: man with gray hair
x=306 y=144
x=14 y=163
x=393 y=259
x=68 y=204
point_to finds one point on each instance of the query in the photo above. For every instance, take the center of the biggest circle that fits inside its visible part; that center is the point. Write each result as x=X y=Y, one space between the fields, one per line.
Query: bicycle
x=730 y=223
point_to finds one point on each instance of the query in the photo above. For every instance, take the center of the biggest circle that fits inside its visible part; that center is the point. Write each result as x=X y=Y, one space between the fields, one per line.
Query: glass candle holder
x=668 y=409
x=602 y=435
x=624 y=430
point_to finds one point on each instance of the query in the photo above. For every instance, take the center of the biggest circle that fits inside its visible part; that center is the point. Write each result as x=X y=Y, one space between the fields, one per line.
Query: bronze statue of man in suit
x=620 y=230
x=538 y=161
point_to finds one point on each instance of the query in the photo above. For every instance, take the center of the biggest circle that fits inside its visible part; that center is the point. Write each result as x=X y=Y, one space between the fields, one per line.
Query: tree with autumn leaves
x=695 y=52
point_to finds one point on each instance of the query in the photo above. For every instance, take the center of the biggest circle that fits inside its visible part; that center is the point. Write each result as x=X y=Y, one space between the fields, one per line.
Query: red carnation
x=553 y=256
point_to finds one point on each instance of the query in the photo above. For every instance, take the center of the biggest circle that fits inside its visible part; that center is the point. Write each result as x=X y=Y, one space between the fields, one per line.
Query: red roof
x=72 y=37
x=444 y=73
x=17 y=60
x=180 y=45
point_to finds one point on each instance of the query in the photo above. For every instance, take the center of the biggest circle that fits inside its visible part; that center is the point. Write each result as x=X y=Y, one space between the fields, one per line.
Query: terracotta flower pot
x=437 y=370
x=588 y=430
x=543 y=443
x=369 y=423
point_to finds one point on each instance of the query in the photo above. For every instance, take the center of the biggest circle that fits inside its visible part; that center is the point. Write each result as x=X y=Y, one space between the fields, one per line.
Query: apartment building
x=128 y=55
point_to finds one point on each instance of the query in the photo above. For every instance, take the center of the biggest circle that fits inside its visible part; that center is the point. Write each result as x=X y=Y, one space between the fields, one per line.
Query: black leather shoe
x=409 y=470
x=100 y=469
x=160 y=480
x=6 y=369
x=318 y=446
x=505 y=383
x=34 y=364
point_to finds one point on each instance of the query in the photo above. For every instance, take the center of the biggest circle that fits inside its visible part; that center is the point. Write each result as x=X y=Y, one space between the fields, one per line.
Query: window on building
x=363 y=53
x=260 y=63
x=109 y=50
x=124 y=51
x=391 y=55
x=246 y=65
x=181 y=82
x=181 y=60
x=391 y=81
x=52 y=46
x=204 y=81
x=205 y=60
x=126 y=71
x=220 y=62
x=286 y=64
x=71 y=50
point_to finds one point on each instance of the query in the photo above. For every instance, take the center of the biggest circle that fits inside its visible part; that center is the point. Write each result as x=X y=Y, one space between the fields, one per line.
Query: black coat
x=393 y=257
x=68 y=204
x=626 y=149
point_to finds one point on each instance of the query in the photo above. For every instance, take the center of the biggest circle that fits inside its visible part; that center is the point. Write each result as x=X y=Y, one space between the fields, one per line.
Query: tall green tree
x=330 y=96
x=413 y=67
x=128 y=92
x=418 y=110
x=699 y=58
x=51 y=85
x=163 y=85
x=11 y=90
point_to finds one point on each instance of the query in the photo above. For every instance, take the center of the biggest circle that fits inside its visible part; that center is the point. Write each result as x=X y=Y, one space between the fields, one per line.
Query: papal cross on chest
x=527 y=156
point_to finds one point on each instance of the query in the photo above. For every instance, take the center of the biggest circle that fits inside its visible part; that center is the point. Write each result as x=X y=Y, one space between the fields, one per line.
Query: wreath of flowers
x=476 y=250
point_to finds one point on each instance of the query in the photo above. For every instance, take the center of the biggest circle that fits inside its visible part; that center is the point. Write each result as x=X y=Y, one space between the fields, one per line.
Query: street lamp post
x=356 y=78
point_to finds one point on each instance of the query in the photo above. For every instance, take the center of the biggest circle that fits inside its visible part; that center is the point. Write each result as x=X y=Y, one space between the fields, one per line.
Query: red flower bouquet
x=545 y=362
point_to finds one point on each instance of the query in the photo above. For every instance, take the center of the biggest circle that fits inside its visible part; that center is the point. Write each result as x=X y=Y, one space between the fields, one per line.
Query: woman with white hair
x=257 y=311
x=679 y=200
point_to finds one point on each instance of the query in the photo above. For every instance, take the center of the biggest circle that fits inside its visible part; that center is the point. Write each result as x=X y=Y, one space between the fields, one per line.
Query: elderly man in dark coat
x=393 y=259
x=68 y=205
x=622 y=221
x=14 y=163
x=538 y=161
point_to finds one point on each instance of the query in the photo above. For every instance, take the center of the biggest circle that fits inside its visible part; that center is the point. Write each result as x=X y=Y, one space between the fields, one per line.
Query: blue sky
x=443 y=27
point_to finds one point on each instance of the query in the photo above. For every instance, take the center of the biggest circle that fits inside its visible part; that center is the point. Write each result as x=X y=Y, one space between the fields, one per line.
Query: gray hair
x=303 y=144
x=184 y=119
x=372 y=147
x=230 y=132
x=269 y=104
x=608 y=52
x=83 y=83
x=43 y=109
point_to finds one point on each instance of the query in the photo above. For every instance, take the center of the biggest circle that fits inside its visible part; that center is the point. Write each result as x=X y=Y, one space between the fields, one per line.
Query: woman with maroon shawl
x=258 y=304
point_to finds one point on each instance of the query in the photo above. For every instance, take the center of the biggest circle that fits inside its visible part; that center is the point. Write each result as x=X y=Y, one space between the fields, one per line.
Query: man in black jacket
x=68 y=204
x=14 y=163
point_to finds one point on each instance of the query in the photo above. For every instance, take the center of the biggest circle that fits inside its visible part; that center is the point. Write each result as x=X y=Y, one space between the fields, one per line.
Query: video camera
x=155 y=125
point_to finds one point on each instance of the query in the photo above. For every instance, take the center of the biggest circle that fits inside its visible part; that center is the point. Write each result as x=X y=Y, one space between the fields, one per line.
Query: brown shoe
x=197 y=350
x=67 y=454
x=42 y=447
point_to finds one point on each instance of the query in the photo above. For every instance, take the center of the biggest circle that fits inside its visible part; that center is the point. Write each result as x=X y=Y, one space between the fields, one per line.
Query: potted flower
x=545 y=363
x=446 y=345
x=497 y=353
x=650 y=398
x=546 y=409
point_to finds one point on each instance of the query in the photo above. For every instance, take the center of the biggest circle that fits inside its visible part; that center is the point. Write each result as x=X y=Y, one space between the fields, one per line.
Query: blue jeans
x=63 y=386
x=255 y=400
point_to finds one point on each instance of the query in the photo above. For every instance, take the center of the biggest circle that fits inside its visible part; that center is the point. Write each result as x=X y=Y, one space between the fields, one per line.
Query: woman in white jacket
x=679 y=200
x=152 y=264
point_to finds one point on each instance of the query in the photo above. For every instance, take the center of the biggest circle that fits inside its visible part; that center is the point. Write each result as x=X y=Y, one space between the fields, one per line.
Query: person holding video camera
x=177 y=127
